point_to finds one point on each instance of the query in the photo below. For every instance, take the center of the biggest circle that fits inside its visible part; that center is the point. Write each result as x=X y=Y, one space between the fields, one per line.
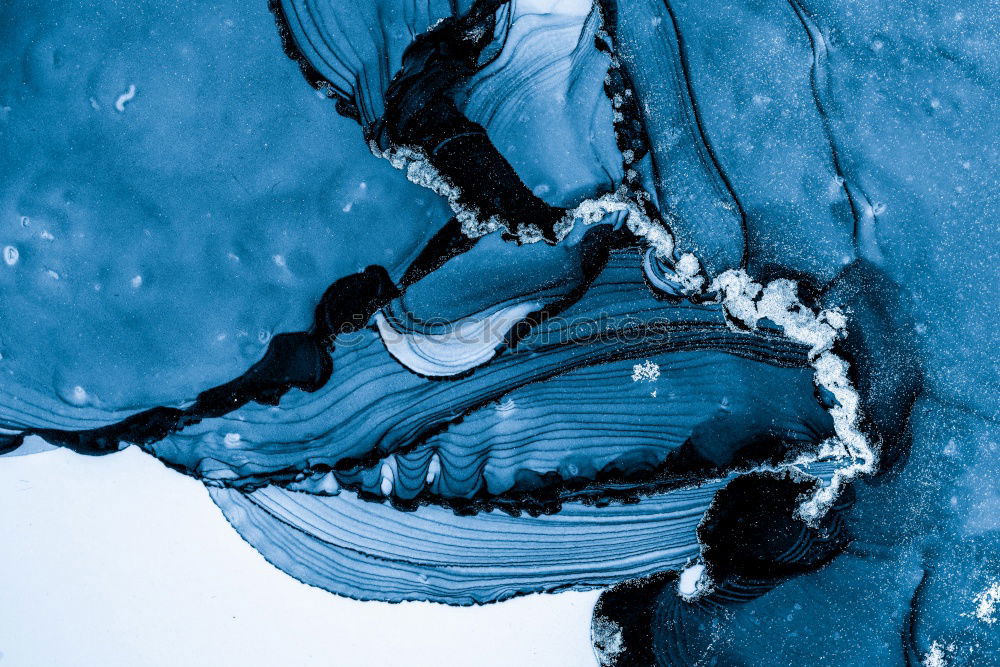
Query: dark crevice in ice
x=448 y=242
x=624 y=481
x=768 y=544
x=345 y=107
x=663 y=620
x=421 y=114
x=817 y=81
x=908 y=636
x=298 y=360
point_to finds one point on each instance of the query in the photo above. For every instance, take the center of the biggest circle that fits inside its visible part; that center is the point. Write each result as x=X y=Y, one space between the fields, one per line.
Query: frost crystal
x=645 y=372
x=986 y=603
x=936 y=656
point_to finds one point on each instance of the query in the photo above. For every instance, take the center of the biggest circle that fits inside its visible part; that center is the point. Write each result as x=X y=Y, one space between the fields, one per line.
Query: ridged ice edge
x=743 y=299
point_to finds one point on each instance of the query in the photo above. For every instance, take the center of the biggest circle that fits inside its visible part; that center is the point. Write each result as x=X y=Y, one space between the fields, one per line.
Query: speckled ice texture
x=695 y=302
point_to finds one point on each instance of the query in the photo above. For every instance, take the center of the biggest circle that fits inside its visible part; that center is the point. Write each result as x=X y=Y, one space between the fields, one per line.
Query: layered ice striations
x=620 y=300
x=465 y=376
x=432 y=553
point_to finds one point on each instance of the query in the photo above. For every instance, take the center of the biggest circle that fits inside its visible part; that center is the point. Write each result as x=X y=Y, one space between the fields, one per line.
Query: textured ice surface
x=160 y=246
x=533 y=295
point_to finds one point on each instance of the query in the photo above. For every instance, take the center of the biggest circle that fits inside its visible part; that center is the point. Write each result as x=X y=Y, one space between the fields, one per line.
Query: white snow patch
x=433 y=469
x=607 y=639
x=749 y=302
x=986 y=603
x=937 y=655
x=388 y=477
x=692 y=582
x=127 y=96
x=647 y=371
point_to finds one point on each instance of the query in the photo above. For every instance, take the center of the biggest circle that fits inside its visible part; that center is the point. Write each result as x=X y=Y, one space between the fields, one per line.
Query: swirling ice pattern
x=691 y=301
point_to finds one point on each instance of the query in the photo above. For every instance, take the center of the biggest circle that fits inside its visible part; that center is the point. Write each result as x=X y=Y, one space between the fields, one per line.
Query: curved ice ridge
x=419 y=170
x=745 y=300
x=750 y=302
x=471 y=342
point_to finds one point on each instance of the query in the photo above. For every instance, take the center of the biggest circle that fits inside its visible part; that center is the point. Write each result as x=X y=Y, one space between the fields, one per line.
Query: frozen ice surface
x=463 y=301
